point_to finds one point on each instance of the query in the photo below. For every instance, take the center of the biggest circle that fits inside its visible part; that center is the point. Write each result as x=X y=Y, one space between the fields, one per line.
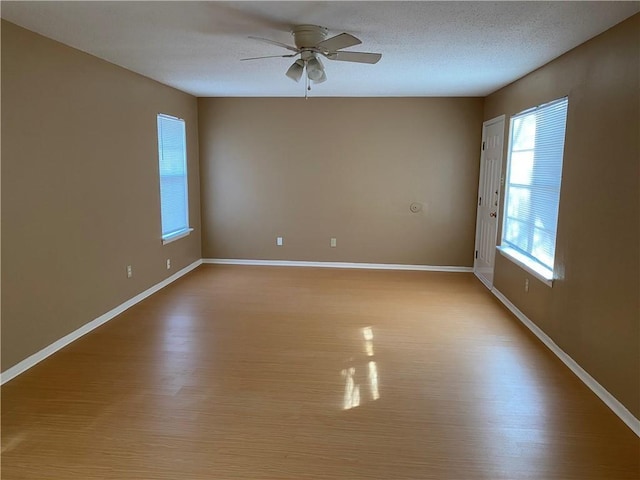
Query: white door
x=488 y=199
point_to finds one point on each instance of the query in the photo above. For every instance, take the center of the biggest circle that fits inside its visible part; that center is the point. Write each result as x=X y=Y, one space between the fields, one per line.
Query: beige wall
x=347 y=168
x=592 y=310
x=80 y=195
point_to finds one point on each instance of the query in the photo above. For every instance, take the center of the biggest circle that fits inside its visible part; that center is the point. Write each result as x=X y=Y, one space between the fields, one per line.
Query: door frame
x=500 y=183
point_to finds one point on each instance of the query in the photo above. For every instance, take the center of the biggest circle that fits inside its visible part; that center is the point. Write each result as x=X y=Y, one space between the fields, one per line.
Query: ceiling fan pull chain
x=307 y=82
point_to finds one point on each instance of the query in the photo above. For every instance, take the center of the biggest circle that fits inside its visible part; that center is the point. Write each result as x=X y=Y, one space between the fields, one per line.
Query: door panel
x=488 y=199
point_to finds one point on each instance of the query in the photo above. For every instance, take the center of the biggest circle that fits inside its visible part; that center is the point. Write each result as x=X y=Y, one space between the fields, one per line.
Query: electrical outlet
x=129 y=271
x=333 y=242
x=168 y=263
x=279 y=241
x=526 y=285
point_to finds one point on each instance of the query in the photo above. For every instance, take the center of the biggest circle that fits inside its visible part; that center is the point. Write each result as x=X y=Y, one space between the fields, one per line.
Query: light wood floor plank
x=238 y=372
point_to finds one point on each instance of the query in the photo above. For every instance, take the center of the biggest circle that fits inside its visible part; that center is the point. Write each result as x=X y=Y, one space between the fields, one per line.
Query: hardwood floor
x=239 y=372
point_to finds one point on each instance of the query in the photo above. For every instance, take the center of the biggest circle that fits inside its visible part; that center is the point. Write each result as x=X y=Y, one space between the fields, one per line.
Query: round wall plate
x=415 y=207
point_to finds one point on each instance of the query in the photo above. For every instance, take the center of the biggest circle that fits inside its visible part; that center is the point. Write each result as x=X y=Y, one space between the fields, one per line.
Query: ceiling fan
x=311 y=42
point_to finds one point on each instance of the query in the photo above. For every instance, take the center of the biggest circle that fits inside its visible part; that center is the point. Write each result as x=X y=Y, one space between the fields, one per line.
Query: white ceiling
x=429 y=48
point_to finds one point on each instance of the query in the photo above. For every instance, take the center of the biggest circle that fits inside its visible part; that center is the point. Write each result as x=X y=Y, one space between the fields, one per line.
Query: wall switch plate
x=168 y=263
x=333 y=242
x=279 y=241
x=129 y=271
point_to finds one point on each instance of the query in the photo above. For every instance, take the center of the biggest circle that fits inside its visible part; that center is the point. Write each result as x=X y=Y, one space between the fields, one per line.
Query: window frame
x=529 y=262
x=185 y=231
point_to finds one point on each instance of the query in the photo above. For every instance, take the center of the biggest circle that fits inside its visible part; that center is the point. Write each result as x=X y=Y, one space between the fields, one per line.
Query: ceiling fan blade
x=343 y=40
x=359 y=57
x=273 y=42
x=269 y=56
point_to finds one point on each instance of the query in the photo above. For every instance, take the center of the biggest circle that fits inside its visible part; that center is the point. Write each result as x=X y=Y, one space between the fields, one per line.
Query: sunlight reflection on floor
x=352 y=397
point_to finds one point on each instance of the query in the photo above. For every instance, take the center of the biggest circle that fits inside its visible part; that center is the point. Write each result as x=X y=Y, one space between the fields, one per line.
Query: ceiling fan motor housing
x=308 y=36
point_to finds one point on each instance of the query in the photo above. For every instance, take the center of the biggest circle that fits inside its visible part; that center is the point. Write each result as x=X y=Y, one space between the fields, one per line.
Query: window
x=174 y=200
x=532 y=197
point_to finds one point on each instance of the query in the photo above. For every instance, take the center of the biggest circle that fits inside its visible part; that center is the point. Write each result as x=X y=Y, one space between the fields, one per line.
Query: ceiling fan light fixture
x=295 y=70
x=322 y=78
x=315 y=70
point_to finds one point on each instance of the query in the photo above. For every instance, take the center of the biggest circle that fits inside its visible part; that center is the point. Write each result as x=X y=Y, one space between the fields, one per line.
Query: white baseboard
x=370 y=266
x=37 y=357
x=484 y=281
x=618 y=408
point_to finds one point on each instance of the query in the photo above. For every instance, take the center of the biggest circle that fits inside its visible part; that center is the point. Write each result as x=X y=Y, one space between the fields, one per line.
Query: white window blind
x=533 y=184
x=172 y=154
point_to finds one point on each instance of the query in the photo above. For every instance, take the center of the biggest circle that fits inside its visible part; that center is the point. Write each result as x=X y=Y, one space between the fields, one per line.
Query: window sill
x=176 y=236
x=541 y=273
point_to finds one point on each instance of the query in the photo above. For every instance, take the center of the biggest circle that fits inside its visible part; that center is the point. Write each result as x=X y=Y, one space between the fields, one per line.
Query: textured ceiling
x=429 y=48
